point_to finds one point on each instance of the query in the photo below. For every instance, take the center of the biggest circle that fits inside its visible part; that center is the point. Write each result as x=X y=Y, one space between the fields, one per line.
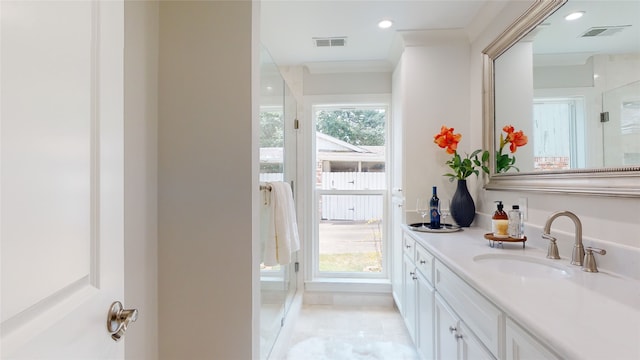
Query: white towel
x=282 y=233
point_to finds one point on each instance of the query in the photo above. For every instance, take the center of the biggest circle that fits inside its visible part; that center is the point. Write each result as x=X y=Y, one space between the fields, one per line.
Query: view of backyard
x=350 y=183
x=350 y=246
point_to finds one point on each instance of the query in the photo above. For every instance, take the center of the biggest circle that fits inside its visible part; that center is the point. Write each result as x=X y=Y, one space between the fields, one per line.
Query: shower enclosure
x=278 y=284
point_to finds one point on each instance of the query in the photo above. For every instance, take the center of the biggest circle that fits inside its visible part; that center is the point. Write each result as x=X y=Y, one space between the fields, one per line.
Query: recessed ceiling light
x=385 y=24
x=574 y=15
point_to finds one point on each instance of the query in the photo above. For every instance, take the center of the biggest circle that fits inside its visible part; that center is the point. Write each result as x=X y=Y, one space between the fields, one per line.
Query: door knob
x=119 y=319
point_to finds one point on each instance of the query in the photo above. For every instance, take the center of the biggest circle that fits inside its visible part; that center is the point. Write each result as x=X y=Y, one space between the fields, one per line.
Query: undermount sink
x=519 y=265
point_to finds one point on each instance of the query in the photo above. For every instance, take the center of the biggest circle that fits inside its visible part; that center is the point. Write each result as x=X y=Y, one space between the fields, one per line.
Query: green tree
x=361 y=127
x=271 y=129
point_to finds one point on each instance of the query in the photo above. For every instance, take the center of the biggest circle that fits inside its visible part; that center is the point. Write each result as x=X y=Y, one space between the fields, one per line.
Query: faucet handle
x=552 y=250
x=590 y=260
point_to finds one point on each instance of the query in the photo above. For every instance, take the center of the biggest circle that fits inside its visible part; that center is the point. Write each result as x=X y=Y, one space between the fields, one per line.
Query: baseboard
x=348 y=299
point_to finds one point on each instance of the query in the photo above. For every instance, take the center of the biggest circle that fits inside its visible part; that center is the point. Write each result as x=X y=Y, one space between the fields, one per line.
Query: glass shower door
x=621 y=133
x=278 y=283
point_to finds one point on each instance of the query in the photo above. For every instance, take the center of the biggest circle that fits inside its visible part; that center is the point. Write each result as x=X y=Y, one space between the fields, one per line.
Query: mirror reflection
x=573 y=88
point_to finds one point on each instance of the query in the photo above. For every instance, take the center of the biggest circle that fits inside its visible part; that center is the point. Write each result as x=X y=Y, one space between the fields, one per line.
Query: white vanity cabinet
x=453 y=339
x=483 y=318
x=409 y=296
x=503 y=310
x=418 y=296
x=408 y=284
x=425 y=314
x=520 y=345
x=448 y=319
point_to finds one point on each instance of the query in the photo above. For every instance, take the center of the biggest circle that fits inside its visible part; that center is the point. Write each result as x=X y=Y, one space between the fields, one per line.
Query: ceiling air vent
x=330 y=41
x=603 y=30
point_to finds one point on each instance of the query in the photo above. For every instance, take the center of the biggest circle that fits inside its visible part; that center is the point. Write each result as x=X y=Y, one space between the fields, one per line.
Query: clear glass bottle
x=516 y=223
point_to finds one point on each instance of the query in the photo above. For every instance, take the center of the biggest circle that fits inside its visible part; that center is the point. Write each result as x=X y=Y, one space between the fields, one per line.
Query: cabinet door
x=446 y=326
x=396 y=256
x=478 y=313
x=425 y=325
x=471 y=348
x=409 y=296
x=521 y=345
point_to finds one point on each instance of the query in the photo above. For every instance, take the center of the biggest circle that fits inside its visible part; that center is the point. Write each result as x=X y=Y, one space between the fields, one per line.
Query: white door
x=61 y=177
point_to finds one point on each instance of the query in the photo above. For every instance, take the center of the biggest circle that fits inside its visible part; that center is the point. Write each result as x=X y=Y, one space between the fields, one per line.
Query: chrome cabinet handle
x=118 y=319
x=454 y=331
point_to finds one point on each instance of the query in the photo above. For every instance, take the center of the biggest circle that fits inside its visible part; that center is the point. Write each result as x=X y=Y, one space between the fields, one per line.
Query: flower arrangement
x=515 y=139
x=462 y=167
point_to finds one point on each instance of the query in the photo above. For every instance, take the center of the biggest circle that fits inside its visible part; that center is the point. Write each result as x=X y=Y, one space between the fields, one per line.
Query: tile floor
x=350 y=333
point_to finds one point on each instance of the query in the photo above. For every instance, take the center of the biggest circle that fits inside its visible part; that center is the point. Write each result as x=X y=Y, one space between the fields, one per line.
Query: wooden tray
x=497 y=241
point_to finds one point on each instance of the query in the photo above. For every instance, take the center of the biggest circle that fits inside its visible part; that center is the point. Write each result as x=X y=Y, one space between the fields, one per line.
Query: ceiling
x=289 y=27
x=557 y=39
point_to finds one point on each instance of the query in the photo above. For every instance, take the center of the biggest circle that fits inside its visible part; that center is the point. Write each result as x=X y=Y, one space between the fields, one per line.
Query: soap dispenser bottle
x=500 y=222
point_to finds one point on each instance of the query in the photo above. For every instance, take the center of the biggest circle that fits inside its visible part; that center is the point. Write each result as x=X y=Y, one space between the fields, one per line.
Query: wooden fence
x=352 y=207
x=347 y=207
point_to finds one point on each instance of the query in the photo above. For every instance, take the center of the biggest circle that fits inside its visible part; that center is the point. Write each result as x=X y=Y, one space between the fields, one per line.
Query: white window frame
x=309 y=192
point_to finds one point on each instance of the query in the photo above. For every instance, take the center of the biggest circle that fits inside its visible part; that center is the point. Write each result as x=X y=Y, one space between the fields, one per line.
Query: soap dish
x=495 y=241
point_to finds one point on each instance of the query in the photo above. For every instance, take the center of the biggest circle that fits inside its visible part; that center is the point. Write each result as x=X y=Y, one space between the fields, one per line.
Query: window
x=557 y=124
x=350 y=191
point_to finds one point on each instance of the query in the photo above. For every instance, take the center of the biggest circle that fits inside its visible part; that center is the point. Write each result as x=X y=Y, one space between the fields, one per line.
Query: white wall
x=516 y=96
x=141 y=130
x=347 y=83
x=207 y=170
x=434 y=83
x=613 y=223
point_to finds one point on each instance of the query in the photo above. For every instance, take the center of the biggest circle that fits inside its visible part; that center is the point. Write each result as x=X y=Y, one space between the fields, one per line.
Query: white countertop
x=582 y=316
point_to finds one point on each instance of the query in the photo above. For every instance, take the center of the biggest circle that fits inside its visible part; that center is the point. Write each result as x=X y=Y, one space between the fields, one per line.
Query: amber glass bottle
x=500 y=222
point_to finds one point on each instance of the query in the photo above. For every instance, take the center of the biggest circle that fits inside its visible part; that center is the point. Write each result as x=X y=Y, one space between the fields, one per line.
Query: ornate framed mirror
x=574 y=90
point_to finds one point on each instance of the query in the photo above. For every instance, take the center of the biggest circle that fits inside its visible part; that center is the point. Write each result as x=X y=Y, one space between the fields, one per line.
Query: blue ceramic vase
x=463 y=210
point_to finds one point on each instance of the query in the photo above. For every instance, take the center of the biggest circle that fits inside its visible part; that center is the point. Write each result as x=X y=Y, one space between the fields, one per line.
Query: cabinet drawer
x=481 y=316
x=424 y=263
x=408 y=246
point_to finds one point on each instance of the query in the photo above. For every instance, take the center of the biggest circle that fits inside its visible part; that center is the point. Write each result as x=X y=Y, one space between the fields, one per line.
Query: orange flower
x=447 y=139
x=516 y=139
x=462 y=167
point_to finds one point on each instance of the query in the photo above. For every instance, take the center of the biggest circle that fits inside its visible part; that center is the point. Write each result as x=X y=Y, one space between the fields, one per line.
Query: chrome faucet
x=578 y=250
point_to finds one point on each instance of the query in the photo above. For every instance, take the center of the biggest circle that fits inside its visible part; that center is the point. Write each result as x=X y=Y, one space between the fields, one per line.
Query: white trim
x=308 y=191
x=350 y=285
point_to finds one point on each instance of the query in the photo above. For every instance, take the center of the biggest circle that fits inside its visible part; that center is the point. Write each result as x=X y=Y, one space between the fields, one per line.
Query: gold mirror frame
x=623 y=181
